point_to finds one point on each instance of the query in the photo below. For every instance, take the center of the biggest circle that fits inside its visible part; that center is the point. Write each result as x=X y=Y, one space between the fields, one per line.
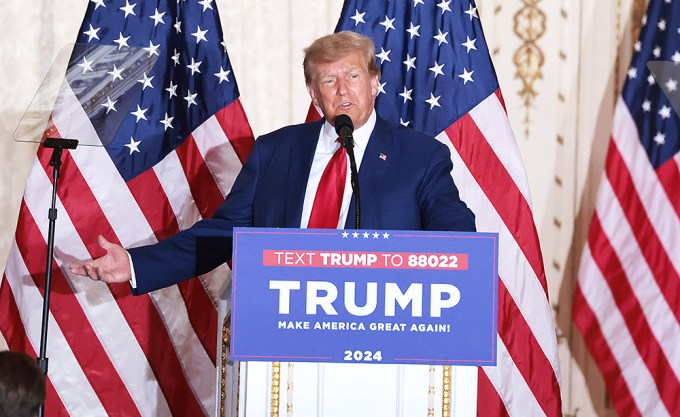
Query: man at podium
x=298 y=177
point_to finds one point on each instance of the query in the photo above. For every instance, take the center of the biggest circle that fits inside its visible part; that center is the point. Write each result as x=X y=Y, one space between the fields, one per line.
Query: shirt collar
x=361 y=135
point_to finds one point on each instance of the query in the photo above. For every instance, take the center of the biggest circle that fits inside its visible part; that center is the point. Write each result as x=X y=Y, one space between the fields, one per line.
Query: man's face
x=344 y=87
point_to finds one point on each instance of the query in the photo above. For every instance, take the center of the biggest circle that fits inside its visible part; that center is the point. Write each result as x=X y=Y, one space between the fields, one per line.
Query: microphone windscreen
x=343 y=125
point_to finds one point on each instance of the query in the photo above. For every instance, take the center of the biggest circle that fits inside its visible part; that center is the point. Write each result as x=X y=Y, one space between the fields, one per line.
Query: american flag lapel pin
x=383 y=156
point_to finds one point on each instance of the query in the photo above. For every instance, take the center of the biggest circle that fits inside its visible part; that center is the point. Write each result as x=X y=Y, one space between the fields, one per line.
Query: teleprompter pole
x=57 y=146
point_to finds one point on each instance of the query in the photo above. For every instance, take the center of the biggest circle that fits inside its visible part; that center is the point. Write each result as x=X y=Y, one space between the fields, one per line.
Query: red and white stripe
x=489 y=172
x=490 y=175
x=111 y=353
x=627 y=302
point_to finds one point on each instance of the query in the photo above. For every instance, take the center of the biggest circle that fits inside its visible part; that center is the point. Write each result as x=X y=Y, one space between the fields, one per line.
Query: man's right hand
x=114 y=267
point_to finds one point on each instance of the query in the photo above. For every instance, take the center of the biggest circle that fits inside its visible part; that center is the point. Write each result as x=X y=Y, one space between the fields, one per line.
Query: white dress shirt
x=325 y=148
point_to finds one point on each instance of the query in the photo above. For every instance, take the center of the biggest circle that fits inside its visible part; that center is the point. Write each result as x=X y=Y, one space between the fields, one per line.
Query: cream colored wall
x=562 y=131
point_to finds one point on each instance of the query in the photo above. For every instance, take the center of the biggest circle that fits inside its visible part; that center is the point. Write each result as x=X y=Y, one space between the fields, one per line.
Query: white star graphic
x=410 y=62
x=121 y=41
x=646 y=106
x=650 y=79
x=661 y=25
x=403 y=122
x=660 y=138
x=358 y=18
x=417 y=2
x=133 y=145
x=98 y=3
x=152 y=49
x=116 y=73
x=469 y=44
x=110 y=105
x=366 y=235
x=444 y=5
x=406 y=94
x=657 y=52
x=441 y=37
x=466 y=76
x=433 y=101
x=671 y=85
x=355 y=235
x=139 y=113
x=200 y=34
x=344 y=234
x=472 y=11
x=146 y=81
x=86 y=65
x=190 y=99
x=388 y=23
x=194 y=66
x=632 y=73
x=175 y=57
x=637 y=46
x=206 y=4
x=224 y=45
x=92 y=33
x=386 y=235
x=413 y=30
x=223 y=75
x=676 y=57
x=665 y=112
x=178 y=25
x=376 y=235
x=384 y=55
x=157 y=18
x=437 y=69
x=172 y=90
x=381 y=88
x=167 y=122
x=129 y=9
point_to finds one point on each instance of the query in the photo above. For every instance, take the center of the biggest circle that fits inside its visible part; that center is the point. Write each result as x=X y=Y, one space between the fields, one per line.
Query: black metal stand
x=57 y=146
x=348 y=143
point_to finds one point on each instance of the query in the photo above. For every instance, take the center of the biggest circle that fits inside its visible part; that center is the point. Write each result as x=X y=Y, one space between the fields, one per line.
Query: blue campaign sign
x=317 y=295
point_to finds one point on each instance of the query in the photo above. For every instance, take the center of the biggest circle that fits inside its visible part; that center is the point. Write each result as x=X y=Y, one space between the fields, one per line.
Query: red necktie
x=328 y=199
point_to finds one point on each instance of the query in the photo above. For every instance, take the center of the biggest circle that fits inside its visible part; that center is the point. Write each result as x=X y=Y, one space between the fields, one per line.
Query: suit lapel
x=301 y=157
x=380 y=152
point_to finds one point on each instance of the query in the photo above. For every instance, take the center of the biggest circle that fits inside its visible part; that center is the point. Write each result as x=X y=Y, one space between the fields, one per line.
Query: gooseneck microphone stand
x=57 y=146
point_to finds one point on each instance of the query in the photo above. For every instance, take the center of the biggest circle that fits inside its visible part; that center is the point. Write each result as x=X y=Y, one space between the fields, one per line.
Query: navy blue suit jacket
x=409 y=188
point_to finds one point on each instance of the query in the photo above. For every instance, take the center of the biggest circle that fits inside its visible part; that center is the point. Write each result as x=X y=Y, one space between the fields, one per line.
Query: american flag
x=627 y=301
x=437 y=77
x=177 y=141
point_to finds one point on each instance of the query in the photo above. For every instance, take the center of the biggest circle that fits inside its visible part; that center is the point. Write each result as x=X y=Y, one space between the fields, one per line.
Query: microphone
x=344 y=128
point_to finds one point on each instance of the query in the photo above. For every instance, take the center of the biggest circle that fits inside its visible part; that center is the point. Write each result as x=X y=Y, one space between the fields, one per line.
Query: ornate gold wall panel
x=529 y=26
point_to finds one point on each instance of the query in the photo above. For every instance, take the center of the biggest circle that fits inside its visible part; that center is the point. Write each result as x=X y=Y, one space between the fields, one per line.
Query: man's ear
x=375 y=82
x=312 y=94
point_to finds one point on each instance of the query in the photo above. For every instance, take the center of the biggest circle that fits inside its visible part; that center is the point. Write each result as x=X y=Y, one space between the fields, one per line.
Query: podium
x=332 y=323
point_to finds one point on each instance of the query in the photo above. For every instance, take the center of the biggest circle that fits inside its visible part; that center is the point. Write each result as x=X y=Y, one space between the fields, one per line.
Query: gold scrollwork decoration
x=529 y=26
x=446 y=391
x=226 y=334
x=276 y=389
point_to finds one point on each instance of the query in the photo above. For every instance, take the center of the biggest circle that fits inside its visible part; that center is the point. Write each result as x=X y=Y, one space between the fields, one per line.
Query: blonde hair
x=331 y=48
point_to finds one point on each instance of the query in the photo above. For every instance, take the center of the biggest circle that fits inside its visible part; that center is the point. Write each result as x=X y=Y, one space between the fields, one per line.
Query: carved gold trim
x=226 y=335
x=529 y=26
x=446 y=391
x=276 y=389
x=430 y=391
x=289 y=390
